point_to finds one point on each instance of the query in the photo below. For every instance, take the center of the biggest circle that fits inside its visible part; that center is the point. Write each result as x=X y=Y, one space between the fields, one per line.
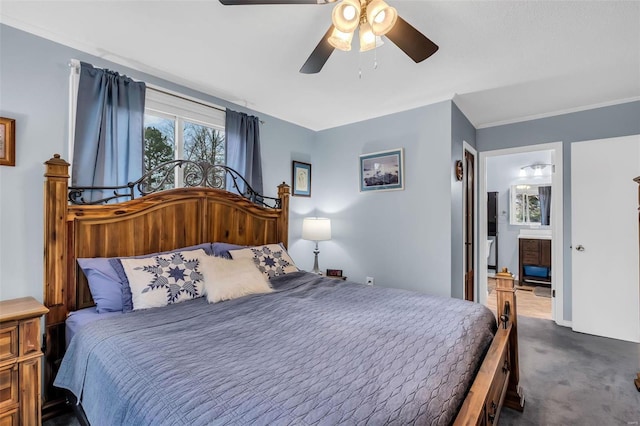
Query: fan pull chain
x=375 y=58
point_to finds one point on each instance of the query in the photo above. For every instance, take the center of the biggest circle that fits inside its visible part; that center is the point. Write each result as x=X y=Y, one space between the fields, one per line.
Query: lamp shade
x=340 y=40
x=316 y=228
x=381 y=16
x=346 y=15
x=367 y=37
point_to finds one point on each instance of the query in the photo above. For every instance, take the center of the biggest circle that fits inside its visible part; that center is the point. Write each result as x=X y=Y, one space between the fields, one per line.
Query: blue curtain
x=109 y=134
x=242 y=133
x=544 y=195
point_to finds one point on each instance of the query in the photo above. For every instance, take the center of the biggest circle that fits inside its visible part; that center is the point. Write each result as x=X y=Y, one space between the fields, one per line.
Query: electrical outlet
x=369 y=280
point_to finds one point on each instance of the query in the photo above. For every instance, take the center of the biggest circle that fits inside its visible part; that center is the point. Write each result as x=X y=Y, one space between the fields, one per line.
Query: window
x=181 y=129
x=525 y=204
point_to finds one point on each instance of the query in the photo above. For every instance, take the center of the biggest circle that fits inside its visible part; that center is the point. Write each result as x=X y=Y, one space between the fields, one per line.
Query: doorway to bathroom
x=520 y=226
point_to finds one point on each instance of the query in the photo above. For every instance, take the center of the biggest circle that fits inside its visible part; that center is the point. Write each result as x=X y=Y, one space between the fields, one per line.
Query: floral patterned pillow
x=271 y=259
x=166 y=279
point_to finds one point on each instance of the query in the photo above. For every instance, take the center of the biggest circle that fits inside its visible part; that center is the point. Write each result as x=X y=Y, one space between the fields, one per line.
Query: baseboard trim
x=564 y=323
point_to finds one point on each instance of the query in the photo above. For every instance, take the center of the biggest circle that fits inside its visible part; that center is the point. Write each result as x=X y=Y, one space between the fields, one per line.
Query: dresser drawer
x=29 y=336
x=9 y=386
x=530 y=245
x=529 y=258
x=9 y=340
x=10 y=418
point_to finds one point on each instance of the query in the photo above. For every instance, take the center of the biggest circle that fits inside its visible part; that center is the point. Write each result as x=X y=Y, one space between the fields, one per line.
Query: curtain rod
x=190 y=99
x=184 y=98
x=75 y=63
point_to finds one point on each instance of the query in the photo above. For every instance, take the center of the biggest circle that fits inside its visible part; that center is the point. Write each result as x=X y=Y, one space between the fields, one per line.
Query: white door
x=604 y=237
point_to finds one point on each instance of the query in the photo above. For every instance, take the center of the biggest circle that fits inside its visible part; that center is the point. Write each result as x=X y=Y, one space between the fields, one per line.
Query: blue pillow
x=106 y=283
x=222 y=249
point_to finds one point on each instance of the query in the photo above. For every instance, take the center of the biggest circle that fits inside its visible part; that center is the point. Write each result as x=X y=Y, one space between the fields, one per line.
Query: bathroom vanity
x=534 y=253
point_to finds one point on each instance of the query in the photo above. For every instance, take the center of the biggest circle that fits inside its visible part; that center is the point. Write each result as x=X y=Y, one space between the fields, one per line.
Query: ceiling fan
x=373 y=19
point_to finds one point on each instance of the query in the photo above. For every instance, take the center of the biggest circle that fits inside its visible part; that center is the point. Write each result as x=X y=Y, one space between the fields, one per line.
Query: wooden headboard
x=156 y=222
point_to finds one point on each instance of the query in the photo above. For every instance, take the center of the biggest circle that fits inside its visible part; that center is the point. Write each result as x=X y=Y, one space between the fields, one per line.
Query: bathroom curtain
x=109 y=133
x=544 y=195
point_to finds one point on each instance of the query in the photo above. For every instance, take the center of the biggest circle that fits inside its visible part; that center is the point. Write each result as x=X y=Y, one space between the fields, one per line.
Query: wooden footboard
x=497 y=382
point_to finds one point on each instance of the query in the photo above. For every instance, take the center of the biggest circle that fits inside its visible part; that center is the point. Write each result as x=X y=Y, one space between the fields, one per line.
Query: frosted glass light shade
x=340 y=40
x=316 y=229
x=381 y=16
x=367 y=37
x=346 y=15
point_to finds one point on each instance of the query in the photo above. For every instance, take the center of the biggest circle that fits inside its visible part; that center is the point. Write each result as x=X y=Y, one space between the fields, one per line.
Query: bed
x=313 y=351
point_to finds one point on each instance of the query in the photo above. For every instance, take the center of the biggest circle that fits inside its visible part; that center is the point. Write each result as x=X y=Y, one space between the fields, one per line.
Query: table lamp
x=316 y=229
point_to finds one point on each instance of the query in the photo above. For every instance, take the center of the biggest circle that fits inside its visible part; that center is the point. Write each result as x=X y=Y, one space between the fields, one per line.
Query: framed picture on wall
x=301 y=179
x=7 y=141
x=382 y=171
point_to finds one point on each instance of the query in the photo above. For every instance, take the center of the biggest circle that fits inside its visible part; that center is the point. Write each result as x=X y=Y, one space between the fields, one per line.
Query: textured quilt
x=317 y=351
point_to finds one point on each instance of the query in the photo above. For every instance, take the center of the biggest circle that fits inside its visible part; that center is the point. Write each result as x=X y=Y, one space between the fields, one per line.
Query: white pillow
x=166 y=278
x=233 y=278
x=272 y=259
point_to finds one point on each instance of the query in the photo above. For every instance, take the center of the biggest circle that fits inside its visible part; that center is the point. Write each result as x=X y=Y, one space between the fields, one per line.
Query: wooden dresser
x=20 y=362
x=534 y=253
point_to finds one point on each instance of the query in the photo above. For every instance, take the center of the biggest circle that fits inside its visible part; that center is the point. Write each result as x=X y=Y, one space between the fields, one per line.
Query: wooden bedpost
x=283 y=225
x=506 y=296
x=55 y=276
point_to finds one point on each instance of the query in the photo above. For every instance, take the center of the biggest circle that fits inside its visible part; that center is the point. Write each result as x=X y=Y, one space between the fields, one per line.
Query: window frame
x=531 y=190
x=163 y=103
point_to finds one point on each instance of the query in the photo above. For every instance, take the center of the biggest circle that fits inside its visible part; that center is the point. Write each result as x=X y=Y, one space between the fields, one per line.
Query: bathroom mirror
x=530 y=204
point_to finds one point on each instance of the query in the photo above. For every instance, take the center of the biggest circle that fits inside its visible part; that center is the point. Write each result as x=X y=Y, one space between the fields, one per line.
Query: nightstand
x=335 y=278
x=20 y=361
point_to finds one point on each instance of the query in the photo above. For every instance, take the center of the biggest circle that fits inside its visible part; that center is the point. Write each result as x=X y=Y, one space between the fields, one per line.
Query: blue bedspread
x=316 y=351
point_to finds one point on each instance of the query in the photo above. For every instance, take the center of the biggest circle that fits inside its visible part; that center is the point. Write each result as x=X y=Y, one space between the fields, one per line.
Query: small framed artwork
x=382 y=171
x=7 y=142
x=334 y=272
x=301 y=179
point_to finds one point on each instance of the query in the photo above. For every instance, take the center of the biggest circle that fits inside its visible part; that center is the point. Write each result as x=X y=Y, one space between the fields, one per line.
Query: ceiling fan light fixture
x=367 y=37
x=381 y=16
x=346 y=15
x=341 y=40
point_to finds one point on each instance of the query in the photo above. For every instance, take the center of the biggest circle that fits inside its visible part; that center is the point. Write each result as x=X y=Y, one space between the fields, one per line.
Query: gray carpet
x=574 y=379
x=568 y=379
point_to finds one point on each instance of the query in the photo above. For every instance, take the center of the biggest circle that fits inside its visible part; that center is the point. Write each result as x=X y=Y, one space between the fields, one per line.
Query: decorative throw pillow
x=233 y=278
x=108 y=283
x=104 y=284
x=166 y=279
x=272 y=259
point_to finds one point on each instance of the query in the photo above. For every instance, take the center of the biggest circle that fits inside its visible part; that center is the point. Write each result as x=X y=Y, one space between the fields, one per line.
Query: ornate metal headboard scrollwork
x=195 y=174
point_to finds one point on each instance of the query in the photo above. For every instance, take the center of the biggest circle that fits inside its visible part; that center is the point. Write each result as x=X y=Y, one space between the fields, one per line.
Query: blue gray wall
x=34 y=91
x=598 y=123
x=401 y=238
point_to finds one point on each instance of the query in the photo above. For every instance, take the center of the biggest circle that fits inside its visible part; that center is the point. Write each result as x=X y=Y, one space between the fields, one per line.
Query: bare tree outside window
x=200 y=143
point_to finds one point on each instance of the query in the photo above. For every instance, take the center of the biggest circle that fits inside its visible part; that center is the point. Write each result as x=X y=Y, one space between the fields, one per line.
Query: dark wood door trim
x=469 y=184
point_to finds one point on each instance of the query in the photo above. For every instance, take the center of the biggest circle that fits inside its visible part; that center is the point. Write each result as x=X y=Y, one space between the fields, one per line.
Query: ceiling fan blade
x=411 y=41
x=319 y=56
x=254 y=2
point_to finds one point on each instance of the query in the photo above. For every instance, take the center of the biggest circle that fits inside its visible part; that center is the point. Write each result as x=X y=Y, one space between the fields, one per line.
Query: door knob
x=580 y=247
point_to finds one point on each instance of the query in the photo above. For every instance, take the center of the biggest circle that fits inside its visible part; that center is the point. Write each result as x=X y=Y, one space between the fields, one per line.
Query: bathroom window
x=525 y=205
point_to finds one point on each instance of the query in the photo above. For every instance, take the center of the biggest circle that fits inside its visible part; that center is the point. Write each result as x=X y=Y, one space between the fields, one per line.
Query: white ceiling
x=503 y=61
